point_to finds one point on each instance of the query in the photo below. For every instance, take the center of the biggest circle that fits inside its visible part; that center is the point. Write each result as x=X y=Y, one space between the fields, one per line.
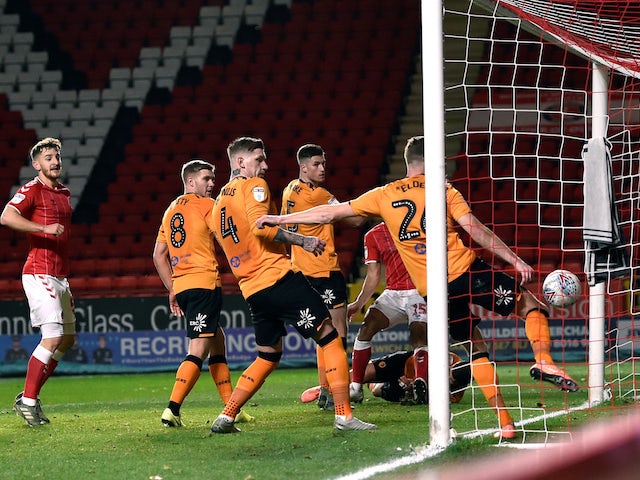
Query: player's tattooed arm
x=311 y=244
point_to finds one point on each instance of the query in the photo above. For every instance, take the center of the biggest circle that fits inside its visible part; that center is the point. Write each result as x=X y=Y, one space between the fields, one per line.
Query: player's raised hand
x=352 y=309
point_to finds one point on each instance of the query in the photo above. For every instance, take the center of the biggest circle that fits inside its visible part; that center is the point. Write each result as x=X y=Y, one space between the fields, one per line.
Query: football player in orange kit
x=401 y=204
x=275 y=293
x=184 y=257
x=322 y=271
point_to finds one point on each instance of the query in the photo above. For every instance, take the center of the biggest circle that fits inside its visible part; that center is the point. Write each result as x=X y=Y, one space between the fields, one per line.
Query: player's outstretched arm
x=316 y=215
x=311 y=244
x=482 y=235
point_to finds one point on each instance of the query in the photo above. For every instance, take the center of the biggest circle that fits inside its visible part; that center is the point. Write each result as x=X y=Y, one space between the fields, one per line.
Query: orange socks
x=248 y=384
x=186 y=377
x=537 y=329
x=337 y=371
x=220 y=373
x=322 y=374
x=487 y=379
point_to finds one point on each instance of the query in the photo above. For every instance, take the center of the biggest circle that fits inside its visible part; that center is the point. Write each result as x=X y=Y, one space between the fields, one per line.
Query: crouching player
x=392 y=378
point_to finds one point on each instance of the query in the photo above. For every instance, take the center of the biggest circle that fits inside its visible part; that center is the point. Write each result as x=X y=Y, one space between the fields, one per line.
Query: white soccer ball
x=561 y=288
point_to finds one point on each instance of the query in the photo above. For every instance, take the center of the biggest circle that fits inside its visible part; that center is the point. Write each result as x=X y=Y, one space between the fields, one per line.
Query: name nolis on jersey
x=228 y=191
x=409 y=185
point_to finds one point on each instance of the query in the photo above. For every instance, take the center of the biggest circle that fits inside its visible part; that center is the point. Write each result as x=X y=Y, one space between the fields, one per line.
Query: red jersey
x=379 y=248
x=48 y=254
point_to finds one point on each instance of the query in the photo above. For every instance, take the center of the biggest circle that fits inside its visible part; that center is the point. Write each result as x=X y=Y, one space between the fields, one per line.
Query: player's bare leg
x=374 y=321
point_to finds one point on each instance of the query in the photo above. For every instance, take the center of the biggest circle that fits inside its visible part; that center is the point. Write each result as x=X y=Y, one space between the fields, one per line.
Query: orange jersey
x=401 y=204
x=187 y=229
x=299 y=196
x=255 y=259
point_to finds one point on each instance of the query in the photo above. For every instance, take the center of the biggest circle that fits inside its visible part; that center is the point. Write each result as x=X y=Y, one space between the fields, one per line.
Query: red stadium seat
x=301 y=81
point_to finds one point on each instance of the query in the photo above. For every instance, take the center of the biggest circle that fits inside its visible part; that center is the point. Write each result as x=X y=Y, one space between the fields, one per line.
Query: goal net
x=532 y=88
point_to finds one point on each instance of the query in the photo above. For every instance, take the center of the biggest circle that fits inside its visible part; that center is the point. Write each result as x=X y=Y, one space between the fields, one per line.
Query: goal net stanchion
x=527 y=84
x=599 y=115
x=434 y=216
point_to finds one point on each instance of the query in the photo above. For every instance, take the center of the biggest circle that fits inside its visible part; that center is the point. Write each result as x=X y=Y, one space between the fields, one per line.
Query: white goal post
x=526 y=85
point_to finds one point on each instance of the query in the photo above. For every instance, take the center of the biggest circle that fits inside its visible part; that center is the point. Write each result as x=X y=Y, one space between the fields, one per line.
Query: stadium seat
x=126 y=283
x=229 y=283
x=11 y=289
x=150 y=284
x=267 y=65
x=91 y=286
x=139 y=265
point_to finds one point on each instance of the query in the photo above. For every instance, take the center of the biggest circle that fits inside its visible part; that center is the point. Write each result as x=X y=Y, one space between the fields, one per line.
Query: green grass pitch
x=108 y=427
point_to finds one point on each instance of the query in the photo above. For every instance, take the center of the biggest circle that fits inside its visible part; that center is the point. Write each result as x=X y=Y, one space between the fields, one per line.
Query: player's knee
x=273 y=357
x=367 y=332
x=328 y=338
x=195 y=360
x=66 y=342
x=375 y=322
x=529 y=302
x=418 y=334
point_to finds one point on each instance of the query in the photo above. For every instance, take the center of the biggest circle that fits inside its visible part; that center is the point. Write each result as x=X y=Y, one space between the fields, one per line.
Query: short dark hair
x=305 y=152
x=414 y=149
x=43 y=144
x=193 y=166
x=240 y=144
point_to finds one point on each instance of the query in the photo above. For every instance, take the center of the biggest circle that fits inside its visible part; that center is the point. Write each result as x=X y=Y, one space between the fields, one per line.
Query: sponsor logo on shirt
x=259 y=194
x=17 y=198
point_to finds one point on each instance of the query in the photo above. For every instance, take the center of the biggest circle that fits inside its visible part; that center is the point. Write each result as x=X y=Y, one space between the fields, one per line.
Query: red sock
x=421 y=362
x=359 y=360
x=51 y=366
x=36 y=372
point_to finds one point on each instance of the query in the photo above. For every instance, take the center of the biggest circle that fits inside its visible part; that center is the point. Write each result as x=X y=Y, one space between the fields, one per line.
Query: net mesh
x=518 y=93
